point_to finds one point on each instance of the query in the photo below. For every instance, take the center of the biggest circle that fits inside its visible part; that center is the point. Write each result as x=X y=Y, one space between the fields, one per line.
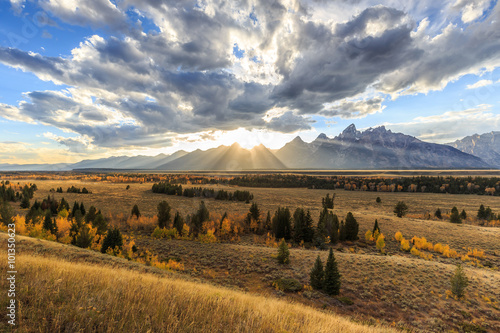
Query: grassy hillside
x=105 y=294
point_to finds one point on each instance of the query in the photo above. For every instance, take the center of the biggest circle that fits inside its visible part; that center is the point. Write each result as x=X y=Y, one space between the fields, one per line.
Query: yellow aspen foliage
x=63 y=213
x=208 y=237
x=415 y=251
x=368 y=236
x=398 y=236
x=381 y=243
x=475 y=253
x=20 y=222
x=405 y=245
x=63 y=227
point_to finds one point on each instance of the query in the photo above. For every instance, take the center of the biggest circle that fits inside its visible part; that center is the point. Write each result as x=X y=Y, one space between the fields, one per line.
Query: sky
x=85 y=79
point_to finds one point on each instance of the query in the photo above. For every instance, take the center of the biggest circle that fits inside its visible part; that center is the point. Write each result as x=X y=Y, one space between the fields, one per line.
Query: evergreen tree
x=308 y=230
x=47 y=222
x=488 y=213
x=84 y=238
x=135 y=211
x=328 y=202
x=378 y=200
x=113 y=239
x=481 y=213
x=438 y=214
x=454 y=210
x=376 y=228
x=178 y=222
x=76 y=207
x=400 y=209
x=63 y=205
x=321 y=231
x=298 y=225
x=459 y=282
x=463 y=214
x=82 y=209
x=91 y=215
x=100 y=223
x=283 y=253
x=317 y=274
x=25 y=202
x=163 y=214
x=342 y=232
x=199 y=218
x=282 y=227
x=6 y=213
x=351 y=227
x=455 y=216
x=268 y=224
x=331 y=283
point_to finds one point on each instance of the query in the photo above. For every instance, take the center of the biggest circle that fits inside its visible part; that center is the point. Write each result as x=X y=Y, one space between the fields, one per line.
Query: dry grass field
x=396 y=289
x=61 y=295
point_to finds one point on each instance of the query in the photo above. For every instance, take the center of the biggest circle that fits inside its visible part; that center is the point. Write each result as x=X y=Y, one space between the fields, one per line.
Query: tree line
x=173 y=189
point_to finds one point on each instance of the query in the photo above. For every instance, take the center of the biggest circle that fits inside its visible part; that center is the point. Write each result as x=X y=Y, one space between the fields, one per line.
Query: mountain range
x=374 y=148
x=486 y=146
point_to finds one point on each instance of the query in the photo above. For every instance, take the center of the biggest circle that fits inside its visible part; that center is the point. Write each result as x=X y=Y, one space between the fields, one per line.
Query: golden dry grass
x=56 y=295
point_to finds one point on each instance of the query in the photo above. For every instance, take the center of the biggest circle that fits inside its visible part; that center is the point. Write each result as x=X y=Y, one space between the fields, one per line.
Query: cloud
x=451 y=125
x=289 y=122
x=131 y=87
x=354 y=109
x=479 y=84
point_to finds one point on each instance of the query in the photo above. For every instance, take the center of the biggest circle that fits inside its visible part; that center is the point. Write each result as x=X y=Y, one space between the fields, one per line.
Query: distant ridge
x=485 y=146
x=374 y=148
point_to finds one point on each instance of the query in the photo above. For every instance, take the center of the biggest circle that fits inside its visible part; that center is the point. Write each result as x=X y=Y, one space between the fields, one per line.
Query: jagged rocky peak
x=322 y=136
x=350 y=132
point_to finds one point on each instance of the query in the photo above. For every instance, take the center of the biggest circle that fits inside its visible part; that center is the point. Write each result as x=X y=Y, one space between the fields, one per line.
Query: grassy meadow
x=227 y=287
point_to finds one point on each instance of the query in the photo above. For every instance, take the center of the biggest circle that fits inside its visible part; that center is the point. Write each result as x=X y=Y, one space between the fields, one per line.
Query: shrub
x=345 y=300
x=287 y=284
x=399 y=236
x=405 y=245
x=283 y=253
x=368 y=236
x=378 y=200
x=380 y=243
x=459 y=282
x=400 y=209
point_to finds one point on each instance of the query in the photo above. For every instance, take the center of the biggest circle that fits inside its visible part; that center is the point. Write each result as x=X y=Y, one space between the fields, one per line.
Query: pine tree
x=91 y=215
x=463 y=214
x=400 y=209
x=100 y=223
x=481 y=213
x=454 y=209
x=308 y=230
x=76 y=207
x=112 y=240
x=331 y=283
x=334 y=235
x=84 y=238
x=342 y=232
x=459 y=282
x=6 y=213
x=25 y=202
x=298 y=225
x=47 y=222
x=268 y=224
x=376 y=228
x=135 y=211
x=82 y=209
x=438 y=214
x=163 y=214
x=178 y=223
x=317 y=274
x=283 y=253
x=351 y=227
x=282 y=226
x=455 y=216
x=378 y=200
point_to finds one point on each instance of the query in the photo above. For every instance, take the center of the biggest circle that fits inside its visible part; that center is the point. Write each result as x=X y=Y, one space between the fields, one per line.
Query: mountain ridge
x=373 y=148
